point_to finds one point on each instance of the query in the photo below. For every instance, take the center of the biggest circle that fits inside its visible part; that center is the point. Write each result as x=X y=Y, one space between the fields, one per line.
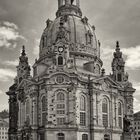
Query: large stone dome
x=80 y=34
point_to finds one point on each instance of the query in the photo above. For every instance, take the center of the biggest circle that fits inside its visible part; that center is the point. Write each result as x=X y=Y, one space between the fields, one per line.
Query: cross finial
x=117 y=46
x=23 y=51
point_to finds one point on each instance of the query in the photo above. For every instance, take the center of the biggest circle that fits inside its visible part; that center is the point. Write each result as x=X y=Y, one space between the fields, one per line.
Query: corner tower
x=122 y=78
x=118 y=65
x=23 y=69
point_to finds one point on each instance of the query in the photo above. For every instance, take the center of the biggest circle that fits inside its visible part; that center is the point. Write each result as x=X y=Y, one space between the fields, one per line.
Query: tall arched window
x=27 y=107
x=60 y=96
x=105 y=112
x=119 y=77
x=106 y=137
x=61 y=136
x=60 y=60
x=82 y=110
x=28 y=111
x=43 y=101
x=120 y=114
x=82 y=103
x=84 y=137
x=61 y=108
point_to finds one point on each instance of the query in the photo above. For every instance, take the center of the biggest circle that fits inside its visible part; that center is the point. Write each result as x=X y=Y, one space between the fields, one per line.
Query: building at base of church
x=69 y=96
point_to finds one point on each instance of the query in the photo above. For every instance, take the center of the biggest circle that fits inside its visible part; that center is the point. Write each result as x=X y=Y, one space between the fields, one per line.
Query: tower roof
x=23 y=57
x=117 y=53
x=23 y=51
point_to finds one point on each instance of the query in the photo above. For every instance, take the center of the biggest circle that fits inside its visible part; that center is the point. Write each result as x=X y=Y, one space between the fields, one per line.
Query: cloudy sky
x=22 y=23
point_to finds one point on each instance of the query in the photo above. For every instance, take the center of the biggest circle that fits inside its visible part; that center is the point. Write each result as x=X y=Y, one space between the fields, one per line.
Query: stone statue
x=126 y=124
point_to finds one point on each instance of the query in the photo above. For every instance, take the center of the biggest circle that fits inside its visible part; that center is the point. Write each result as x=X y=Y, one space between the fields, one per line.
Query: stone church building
x=69 y=96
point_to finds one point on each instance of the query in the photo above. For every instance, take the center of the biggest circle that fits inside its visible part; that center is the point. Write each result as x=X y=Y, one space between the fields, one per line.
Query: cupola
x=71 y=7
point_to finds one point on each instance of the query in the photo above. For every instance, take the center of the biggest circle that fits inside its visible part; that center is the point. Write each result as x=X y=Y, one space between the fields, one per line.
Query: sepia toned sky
x=22 y=23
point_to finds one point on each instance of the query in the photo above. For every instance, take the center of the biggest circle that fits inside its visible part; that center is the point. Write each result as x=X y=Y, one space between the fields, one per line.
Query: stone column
x=67 y=2
x=78 y=3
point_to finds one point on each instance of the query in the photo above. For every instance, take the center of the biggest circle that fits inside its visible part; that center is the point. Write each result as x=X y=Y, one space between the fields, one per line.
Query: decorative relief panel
x=59 y=79
x=83 y=49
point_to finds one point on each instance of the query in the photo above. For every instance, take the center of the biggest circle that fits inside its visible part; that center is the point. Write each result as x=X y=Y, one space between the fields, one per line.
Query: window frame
x=60 y=107
x=120 y=114
x=61 y=137
x=105 y=111
x=60 y=60
x=84 y=136
x=83 y=104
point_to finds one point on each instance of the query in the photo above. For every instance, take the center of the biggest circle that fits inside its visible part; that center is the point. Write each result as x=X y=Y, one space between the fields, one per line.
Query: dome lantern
x=70 y=7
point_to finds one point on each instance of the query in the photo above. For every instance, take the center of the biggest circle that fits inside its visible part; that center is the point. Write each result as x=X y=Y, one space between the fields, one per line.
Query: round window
x=60 y=79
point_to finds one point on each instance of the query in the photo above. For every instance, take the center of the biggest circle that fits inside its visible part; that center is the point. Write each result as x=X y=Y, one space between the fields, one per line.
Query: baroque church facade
x=69 y=96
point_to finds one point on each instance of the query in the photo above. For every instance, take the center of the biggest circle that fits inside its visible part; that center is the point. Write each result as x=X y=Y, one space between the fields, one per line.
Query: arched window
x=27 y=107
x=44 y=41
x=28 y=111
x=82 y=103
x=60 y=96
x=35 y=71
x=60 y=60
x=119 y=77
x=61 y=136
x=89 y=38
x=105 y=112
x=106 y=137
x=43 y=101
x=84 y=137
x=61 y=108
x=82 y=110
x=120 y=115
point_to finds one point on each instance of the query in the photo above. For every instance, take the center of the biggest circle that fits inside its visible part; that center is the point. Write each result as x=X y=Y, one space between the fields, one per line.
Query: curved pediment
x=25 y=83
x=106 y=84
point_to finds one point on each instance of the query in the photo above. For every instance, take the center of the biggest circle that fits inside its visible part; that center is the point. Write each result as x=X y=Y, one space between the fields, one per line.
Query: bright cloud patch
x=5 y=74
x=133 y=57
x=1 y=92
x=137 y=87
x=11 y=63
x=36 y=48
x=136 y=105
x=4 y=106
x=9 y=34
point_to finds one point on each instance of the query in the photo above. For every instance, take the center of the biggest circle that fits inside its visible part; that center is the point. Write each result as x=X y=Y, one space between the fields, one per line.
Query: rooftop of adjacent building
x=137 y=116
x=3 y=123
